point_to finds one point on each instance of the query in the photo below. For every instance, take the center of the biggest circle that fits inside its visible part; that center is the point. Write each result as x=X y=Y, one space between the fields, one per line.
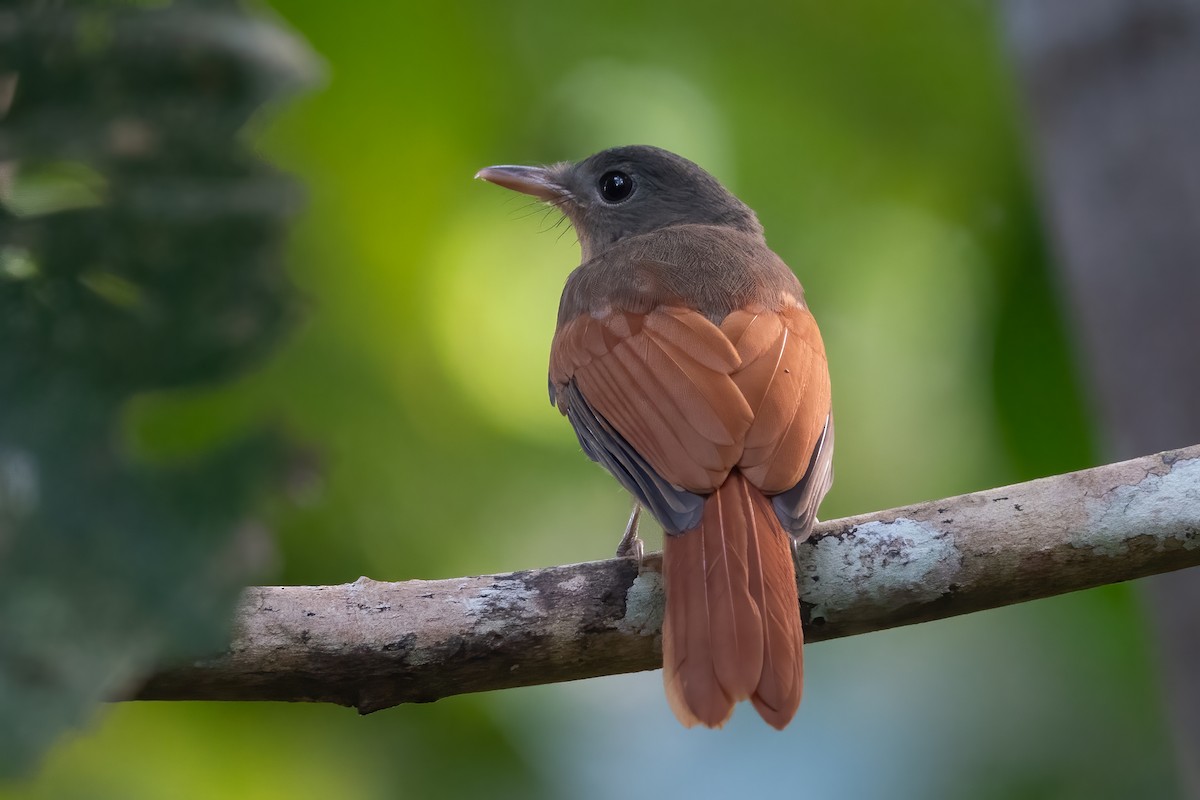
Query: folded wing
x=670 y=402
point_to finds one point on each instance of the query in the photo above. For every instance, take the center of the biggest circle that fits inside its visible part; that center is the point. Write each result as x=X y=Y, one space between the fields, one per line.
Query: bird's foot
x=631 y=545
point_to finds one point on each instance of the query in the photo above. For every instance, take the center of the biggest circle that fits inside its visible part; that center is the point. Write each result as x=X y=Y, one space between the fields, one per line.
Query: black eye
x=615 y=186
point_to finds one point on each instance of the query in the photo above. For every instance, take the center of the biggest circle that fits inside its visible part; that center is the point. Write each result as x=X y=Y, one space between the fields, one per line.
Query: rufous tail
x=731 y=629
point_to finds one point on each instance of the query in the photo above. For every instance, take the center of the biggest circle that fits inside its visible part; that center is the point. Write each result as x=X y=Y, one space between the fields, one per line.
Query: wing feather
x=692 y=400
x=695 y=335
x=786 y=382
x=662 y=380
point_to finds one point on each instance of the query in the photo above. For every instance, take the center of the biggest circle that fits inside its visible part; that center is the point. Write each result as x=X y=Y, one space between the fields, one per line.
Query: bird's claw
x=631 y=545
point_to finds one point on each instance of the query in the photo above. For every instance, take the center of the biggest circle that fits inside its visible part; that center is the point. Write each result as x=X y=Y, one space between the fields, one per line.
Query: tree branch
x=373 y=645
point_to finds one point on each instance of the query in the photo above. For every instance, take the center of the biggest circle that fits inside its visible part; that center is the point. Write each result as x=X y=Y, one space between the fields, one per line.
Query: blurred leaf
x=53 y=187
x=150 y=259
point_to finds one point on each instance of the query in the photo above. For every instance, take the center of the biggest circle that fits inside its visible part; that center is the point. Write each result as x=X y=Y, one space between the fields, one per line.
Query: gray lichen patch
x=497 y=605
x=573 y=584
x=1160 y=505
x=643 y=606
x=880 y=564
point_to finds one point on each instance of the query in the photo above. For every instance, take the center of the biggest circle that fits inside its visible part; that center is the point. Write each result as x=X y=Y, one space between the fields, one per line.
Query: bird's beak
x=536 y=181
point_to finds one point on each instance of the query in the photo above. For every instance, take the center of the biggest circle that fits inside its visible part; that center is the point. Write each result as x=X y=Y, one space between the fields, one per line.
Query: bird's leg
x=631 y=543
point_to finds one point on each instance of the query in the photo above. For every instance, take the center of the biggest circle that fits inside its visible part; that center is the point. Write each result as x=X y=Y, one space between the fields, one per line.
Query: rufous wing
x=662 y=382
x=784 y=376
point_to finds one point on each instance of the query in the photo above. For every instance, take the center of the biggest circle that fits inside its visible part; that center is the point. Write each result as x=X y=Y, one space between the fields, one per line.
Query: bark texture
x=373 y=645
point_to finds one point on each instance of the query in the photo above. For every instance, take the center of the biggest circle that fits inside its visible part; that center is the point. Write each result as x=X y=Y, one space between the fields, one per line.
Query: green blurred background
x=880 y=144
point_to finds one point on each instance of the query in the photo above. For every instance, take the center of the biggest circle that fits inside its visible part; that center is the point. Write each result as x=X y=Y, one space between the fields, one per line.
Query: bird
x=690 y=367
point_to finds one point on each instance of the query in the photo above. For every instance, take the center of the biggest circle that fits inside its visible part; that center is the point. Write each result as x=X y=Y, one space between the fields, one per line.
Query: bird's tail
x=731 y=630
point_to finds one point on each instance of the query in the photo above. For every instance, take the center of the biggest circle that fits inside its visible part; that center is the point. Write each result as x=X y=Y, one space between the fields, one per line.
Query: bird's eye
x=615 y=186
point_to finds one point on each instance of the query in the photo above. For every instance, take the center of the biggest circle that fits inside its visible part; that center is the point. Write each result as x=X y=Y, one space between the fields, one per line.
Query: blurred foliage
x=140 y=250
x=879 y=143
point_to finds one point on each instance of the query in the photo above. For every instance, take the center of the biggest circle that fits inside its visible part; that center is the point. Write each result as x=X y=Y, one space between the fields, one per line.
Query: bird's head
x=627 y=191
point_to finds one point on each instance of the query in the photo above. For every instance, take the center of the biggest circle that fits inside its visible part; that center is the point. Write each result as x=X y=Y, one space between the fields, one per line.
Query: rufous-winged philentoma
x=688 y=363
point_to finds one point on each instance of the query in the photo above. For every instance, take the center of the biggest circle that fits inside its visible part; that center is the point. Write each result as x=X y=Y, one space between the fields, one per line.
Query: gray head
x=627 y=191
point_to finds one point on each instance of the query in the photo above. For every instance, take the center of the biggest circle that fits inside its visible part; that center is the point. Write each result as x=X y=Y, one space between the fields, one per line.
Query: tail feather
x=734 y=620
x=732 y=626
x=773 y=580
x=689 y=675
